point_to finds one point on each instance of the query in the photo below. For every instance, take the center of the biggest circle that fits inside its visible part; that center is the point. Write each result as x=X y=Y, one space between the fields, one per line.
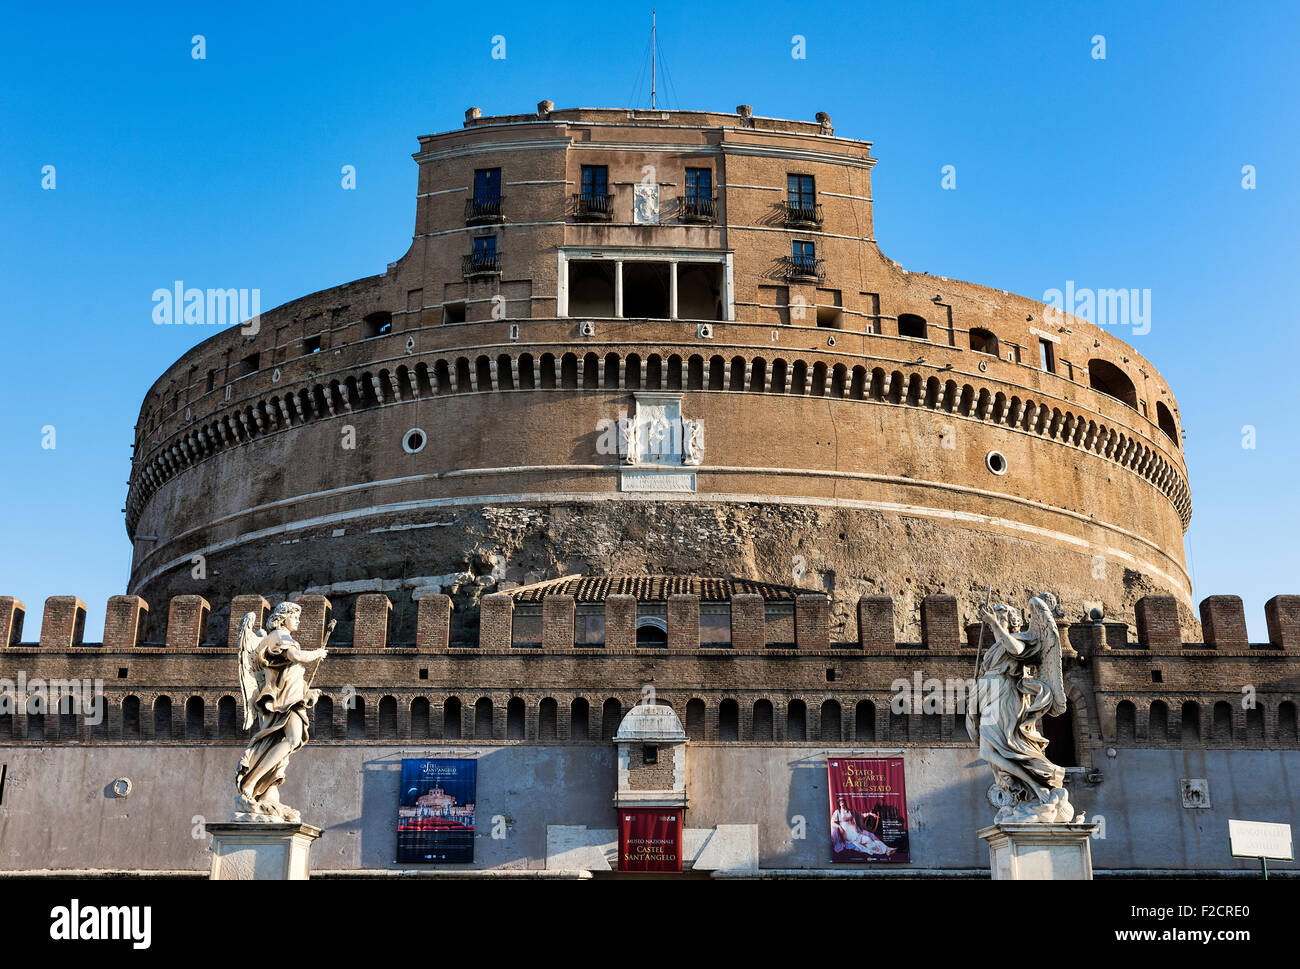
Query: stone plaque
x=645 y=205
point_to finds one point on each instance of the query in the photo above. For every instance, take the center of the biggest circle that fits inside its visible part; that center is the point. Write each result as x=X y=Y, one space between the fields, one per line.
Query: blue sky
x=1122 y=172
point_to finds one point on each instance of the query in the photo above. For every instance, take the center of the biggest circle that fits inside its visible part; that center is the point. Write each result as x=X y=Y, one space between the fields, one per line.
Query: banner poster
x=649 y=839
x=868 y=804
x=435 y=813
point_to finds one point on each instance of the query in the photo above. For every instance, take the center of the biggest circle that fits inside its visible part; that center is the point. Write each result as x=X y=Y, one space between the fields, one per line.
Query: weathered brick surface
x=371 y=626
x=1157 y=622
x=64 y=622
x=187 y=621
x=1223 y=620
x=683 y=622
x=496 y=621
x=748 y=625
x=876 y=624
x=433 y=628
x=1283 y=616
x=12 y=614
x=557 y=622
x=126 y=622
x=811 y=622
x=940 y=625
x=620 y=622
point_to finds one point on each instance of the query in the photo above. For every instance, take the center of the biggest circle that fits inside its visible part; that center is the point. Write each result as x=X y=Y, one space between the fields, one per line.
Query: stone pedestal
x=246 y=850
x=1036 y=851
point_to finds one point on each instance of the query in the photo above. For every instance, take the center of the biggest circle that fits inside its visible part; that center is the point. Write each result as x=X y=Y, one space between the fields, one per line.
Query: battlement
x=744 y=621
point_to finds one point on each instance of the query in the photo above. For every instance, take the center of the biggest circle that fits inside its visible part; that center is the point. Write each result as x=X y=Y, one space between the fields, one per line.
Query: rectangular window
x=487 y=185
x=595 y=182
x=589 y=627
x=699 y=184
x=804 y=256
x=715 y=624
x=1047 y=355
x=311 y=345
x=485 y=247
x=212 y=379
x=526 y=629
x=803 y=194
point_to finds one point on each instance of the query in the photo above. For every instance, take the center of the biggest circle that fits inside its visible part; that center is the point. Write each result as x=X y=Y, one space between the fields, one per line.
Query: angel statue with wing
x=1019 y=682
x=277 y=695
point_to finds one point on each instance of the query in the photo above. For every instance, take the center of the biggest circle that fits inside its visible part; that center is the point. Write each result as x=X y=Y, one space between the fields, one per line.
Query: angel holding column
x=277 y=696
x=1019 y=682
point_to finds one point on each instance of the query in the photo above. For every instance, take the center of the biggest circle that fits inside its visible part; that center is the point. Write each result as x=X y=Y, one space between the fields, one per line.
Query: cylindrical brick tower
x=628 y=342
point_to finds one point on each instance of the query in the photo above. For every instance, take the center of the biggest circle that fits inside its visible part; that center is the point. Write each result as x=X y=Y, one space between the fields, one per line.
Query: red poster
x=649 y=839
x=868 y=804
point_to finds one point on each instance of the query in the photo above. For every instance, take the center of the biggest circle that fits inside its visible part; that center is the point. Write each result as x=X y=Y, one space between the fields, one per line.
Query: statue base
x=1036 y=851
x=262 y=850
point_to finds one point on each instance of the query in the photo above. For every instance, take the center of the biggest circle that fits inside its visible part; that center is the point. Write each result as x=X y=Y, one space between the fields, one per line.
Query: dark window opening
x=909 y=324
x=645 y=290
x=1166 y=421
x=311 y=345
x=1047 y=356
x=591 y=289
x=1110 y=380
x=983 y=341
x=649 y=754
x=453 y=313
x=246 y=366
x=377 y=324
x=1059 y=732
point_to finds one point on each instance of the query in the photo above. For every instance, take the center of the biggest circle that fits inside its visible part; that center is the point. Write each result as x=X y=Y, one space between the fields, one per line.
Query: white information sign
x=1260 y=839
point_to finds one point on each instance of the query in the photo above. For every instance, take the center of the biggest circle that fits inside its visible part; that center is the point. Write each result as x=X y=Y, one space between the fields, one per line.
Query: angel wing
x=1043 y=623
x=250 y=678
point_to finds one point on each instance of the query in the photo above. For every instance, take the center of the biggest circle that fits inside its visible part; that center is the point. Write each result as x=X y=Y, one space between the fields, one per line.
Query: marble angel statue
x=277 y=695
x=1019 y=682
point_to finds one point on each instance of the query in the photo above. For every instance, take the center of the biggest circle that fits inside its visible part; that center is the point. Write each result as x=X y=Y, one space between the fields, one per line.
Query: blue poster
x=435 y=814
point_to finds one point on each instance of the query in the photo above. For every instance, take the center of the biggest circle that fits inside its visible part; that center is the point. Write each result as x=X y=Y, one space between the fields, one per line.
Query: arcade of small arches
x=572 y=719
x=612 y=371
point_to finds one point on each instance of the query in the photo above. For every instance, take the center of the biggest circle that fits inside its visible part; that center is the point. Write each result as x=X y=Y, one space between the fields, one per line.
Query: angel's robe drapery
x=1010 y=703
x=283 y=695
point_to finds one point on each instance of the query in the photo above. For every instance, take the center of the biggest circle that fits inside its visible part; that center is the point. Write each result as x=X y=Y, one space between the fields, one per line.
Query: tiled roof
x=652 y=588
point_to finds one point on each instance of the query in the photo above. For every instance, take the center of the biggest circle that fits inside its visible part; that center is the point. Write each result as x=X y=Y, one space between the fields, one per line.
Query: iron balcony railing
x=801 y=213
x=481 y=263
x=804 y=267
x=699 y=208
x=484 y=209
x=594 y=206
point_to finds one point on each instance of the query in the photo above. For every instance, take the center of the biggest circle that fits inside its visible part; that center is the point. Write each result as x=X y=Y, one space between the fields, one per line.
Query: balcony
x=484 y=210
x=481 y=264
x=802 y=268
x=698 y=208
x=590 y=207
x=800 y=214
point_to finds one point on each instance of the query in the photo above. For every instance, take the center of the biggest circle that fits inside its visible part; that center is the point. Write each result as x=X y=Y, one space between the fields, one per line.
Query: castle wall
x=59 y=811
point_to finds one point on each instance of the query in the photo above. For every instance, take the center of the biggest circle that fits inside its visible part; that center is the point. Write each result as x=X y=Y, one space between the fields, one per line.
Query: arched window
x=483 y=719
x=1255 y=726
x=611 y=716
x=1190 y=732
x=515 y=719
x=322 y=719
x=194 y=718
x=130 y=717
x=763 y=720
x=451 y=717
x=1059 y=732
x=388 y=718
x=548 y=714
x=864 y=721
x=356 y=729
x=1158 y=723
x=1286 y=722
x=1166 y=422
x=420 y=725
x=579 y=720
x=831 y=721
x=909 y=324
x=729 y=720
x=1110 y=380
x=983 y=341
x=162 y=718
x=695 y=719
x=651 y=631
x=1223 y=722
x=1125 y=723
x=796 y=721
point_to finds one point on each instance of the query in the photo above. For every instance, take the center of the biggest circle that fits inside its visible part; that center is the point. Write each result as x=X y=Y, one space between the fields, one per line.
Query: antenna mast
x=653 y=29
